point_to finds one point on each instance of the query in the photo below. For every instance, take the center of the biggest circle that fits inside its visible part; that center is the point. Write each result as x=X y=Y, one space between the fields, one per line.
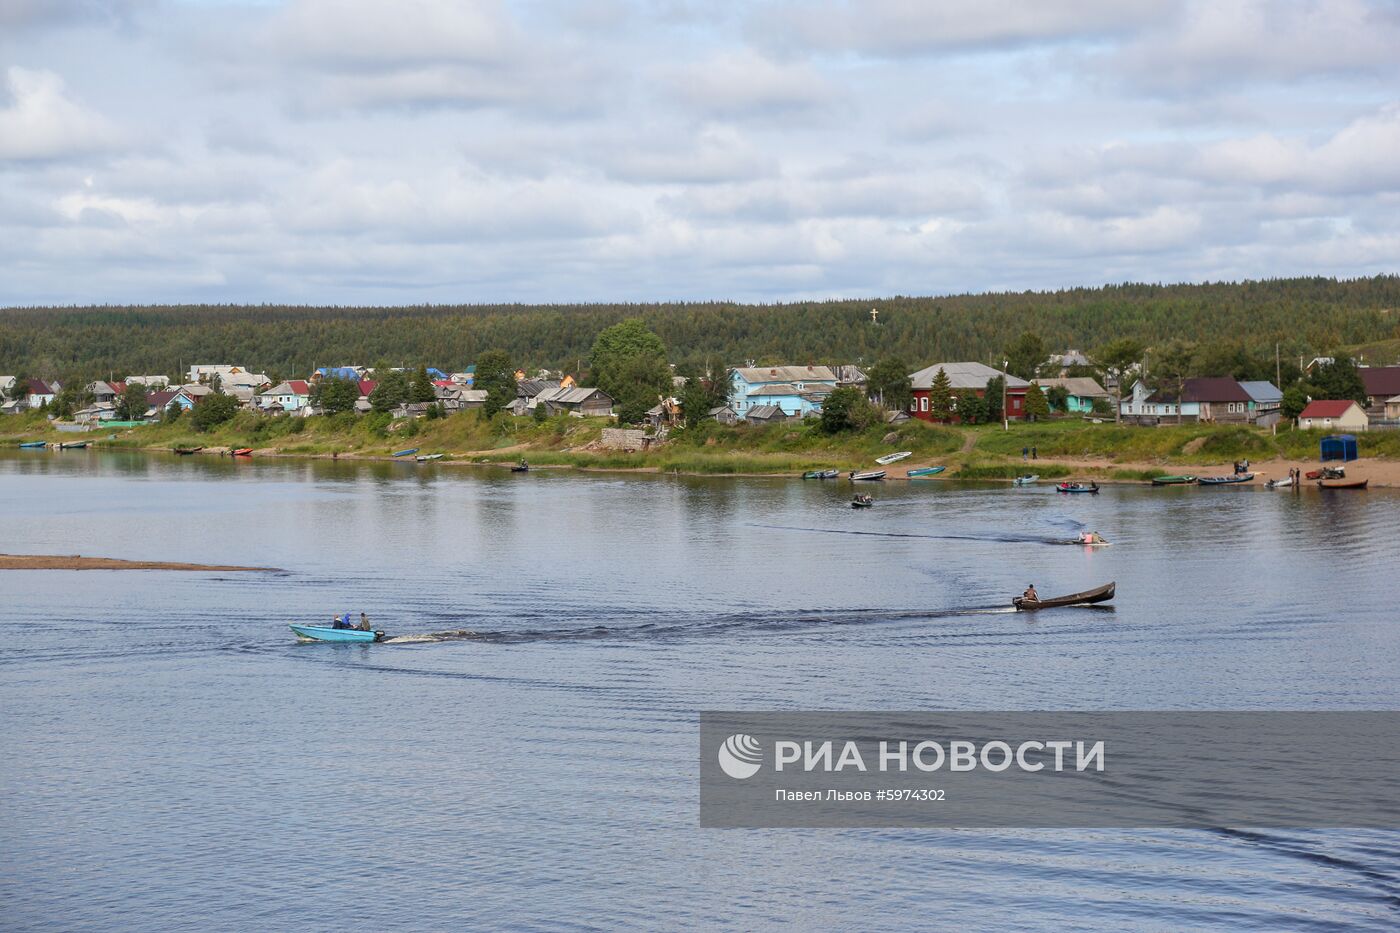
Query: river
x=174 y=759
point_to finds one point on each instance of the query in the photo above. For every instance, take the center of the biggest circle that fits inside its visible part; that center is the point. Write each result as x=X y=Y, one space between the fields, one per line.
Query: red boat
x=1342 y=483
x=243 y=452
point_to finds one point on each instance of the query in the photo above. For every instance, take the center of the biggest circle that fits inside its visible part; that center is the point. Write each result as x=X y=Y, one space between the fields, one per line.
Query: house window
x=923 y=403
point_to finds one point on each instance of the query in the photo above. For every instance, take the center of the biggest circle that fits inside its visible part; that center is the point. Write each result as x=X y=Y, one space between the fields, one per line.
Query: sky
x=427 y=151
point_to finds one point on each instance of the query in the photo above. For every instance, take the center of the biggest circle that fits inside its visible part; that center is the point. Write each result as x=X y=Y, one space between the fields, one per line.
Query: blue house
x=797 y=390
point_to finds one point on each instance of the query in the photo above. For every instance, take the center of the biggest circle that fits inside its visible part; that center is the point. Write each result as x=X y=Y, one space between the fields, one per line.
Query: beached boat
x=521 y=467
x=1173 y=480
x=1077 y=487
x=34 y=444
x=821 y=474
x=326 y=633
x=887 y=459
x=406 y=453
x=1342 y=483
x=1087 y=598
x=925 y=471
x=186 y=451
x=862 y=502
x=424 y=458
x=1027 y=480
x=1226 y=480
x=76 y=445
x=243 y=452
x=867 y=475
x=1278 y=483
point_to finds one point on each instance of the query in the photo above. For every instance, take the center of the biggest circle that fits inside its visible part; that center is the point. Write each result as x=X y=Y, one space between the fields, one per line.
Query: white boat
x=867 y=475
x=893 y=458
x=1026 y=480
x=1279 y=483
x=424 y=458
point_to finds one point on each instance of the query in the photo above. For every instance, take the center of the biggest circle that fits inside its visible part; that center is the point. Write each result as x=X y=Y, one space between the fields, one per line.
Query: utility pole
x=1278 y=368
x=1005 y=419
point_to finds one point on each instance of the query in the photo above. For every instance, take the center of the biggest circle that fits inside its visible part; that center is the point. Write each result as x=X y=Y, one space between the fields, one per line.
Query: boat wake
x=1003 y=537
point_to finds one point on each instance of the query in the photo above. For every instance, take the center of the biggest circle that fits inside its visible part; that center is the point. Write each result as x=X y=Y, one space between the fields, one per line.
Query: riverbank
x=1062 y=448
x=79 y=562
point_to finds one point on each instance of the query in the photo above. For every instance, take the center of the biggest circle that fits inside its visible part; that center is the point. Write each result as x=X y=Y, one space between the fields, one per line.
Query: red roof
x=367 y=386
x=1380 y=381
x=118 y=387
x=444 y=383
x=162 y=398
x=1327 y=408
x=299 y=386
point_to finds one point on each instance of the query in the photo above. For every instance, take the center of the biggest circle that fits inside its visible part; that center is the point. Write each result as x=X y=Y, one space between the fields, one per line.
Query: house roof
x=766 y=411
x=1262 y=391
x=721 y=408
x=367 y=386
x=1080 y=386
x=39 y=387
x=569 y=396
x=775 y=388
x=964 y=376
x=1213 y=389
x=762 y=374
x=1392 y=400
x=162 y=398
x=532 y=387
x=1380 y=381
x=1327 y=408
x=290 y=387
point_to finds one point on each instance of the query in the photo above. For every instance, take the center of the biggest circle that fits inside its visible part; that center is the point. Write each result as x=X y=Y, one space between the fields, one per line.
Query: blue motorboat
x=33 y=444
x=925 y=471
x=406 y=453
x=326 y=633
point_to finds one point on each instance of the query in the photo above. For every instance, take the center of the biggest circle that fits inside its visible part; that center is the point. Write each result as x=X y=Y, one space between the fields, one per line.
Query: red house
x=966 y=377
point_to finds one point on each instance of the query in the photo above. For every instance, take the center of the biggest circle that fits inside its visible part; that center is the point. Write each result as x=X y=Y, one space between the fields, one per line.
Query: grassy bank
x=980 y=452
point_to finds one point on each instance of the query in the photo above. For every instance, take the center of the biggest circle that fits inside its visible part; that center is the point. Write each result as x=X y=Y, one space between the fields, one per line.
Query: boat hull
x=34 y=445
x=887 y=459
x=925 y=471
x=821 y=474
x=1100 y=594
x=1342 y=483
x=243 y=452
x=867 y=476
x=1065 y=487
x=406 y=453
x=1173 y=480
x=1226 y=480
x=1025 y=480
x=326 y=633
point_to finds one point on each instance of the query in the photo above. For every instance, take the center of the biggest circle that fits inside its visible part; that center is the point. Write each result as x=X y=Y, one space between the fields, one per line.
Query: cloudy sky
x=369 y=151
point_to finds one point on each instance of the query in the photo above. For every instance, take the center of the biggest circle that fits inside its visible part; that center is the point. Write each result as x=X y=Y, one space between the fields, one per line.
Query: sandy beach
x=79 y=562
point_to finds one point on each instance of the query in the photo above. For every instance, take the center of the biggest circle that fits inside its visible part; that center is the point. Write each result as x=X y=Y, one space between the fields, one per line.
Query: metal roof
x=964 y=376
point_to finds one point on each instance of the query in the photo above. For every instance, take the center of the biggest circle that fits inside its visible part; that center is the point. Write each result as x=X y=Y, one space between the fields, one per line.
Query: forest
x=1303 y=316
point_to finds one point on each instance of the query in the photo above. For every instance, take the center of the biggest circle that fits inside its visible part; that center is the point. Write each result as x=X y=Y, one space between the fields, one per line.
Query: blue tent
x=1339 y=447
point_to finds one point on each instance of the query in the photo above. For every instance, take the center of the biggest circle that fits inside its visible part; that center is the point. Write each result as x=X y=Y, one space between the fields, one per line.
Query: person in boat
x=1030 y=594
x=337 y=622
x=1090 y=537
x=364 y=622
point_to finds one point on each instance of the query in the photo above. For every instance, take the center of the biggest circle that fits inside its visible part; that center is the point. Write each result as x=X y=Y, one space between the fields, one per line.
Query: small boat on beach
x=33 y=445
x=857 y=477
x=1278 y=483
x=1226 y=480
x=76 y=445
x=862 y=502
x=1077 y=487
x=1087 y=598
x=326 y=633
x=424 y=458
x=887 y=459
x=821 y=474
x=925 y=471
x=1028 y=480
x=186 y=451
x=243 y=452
x=1173 y=480
x=1342 y=483
x=406 y=453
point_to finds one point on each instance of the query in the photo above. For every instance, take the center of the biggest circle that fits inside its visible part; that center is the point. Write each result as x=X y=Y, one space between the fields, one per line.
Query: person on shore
x=1034 y=454
x=1024 y=452
x=364 y=622
x=1030 y=593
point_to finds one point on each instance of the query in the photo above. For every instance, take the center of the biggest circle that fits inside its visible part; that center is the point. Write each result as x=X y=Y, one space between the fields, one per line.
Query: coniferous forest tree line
x=1303 y=316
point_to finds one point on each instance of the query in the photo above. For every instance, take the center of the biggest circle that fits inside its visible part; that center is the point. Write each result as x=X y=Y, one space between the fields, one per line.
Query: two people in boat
x=344 y=622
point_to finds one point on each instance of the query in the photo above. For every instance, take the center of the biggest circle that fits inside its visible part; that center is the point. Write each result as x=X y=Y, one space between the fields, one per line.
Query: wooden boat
x=186 y=451
x=76 y=445
x=34 y=444
x=1173 y=480
x=1077 y=487
x=1087 y=598
x=821 y=474
x=1342 y=483
x=1226 y=480
x=406 y=453
x=424 y=458
x=243 y=452
x=1026 y=480
x=1278 y=483
x=887 y=459
x=862 y=502
x=326 y=633
x=925 y=471
x=867 y=475
x=521 y=467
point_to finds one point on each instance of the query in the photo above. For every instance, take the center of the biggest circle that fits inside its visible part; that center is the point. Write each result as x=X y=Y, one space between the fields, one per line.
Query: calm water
x=170 y=758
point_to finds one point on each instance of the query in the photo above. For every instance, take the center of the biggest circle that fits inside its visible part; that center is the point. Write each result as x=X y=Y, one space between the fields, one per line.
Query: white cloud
x=41 y=121
x=745 y=84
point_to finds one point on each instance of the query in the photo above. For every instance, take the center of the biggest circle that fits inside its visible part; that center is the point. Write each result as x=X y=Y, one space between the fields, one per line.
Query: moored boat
x=1226 y=480
x=887 y=459
x=925 y=471
x=821 y=474
x=1342 y=483
x=1173 y=480
x=326 y=633
x=867 y=475
x=1087 y=598
x=862 y=502
x=1077 y=487
x=1027 y=480
x=186 y=451
x=406 y=453
x=1278 y=483
x=32 y=445
x=243 y=452
x=424 y=458
x=75 y=445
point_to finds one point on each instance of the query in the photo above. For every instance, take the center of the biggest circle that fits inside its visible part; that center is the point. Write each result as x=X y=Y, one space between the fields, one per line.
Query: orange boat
x=243 y=452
